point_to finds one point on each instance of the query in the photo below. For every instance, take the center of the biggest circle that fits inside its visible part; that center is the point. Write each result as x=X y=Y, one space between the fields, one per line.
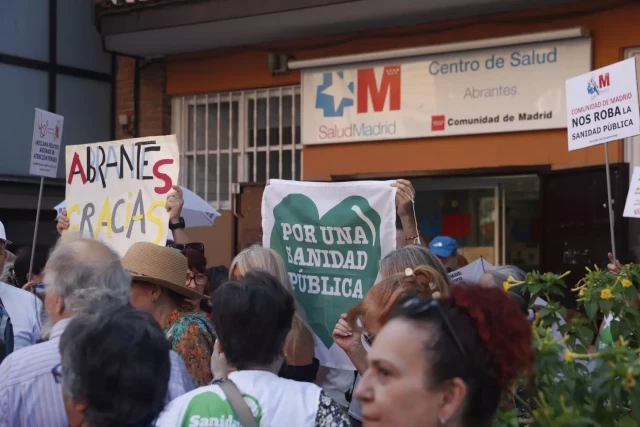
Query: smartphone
x=39 y=289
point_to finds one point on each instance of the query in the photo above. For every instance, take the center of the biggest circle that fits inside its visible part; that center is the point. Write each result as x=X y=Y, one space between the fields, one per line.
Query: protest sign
x=45 y=146
x=602 y=105
x=471 y=273
x=331 y=237
x=116 y=191
x=632 y=206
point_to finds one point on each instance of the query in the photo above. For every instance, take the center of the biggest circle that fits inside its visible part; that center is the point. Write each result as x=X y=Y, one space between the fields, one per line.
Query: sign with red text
x=45 y=145
x=117 y=190
x=502 y=89
x=602 y=105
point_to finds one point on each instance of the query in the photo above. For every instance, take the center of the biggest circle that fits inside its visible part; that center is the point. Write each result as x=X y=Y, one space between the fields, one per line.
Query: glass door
x=520 y=213
x=497 y=218
x=469 y=215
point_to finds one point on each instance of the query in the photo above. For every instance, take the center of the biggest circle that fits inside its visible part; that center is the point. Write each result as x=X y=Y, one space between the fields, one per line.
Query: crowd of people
x=149 y=340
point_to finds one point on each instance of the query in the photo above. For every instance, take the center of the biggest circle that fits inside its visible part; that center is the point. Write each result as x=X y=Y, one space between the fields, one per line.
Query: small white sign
x=45 y=147
x=602 y=105
x=632 y=207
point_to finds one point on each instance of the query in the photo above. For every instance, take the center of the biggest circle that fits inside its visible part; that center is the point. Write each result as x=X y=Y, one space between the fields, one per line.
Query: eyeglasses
x=414 y=307
x=199 y=279
x=368 y=338
x=57 y=373
x=182 y=247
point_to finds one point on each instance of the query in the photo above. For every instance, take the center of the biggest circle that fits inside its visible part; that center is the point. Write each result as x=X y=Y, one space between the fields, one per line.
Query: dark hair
x=217 y=276
x=252 y=318
x=23 y=259
x=196 y=261
x=497 y=340
x=117 y=362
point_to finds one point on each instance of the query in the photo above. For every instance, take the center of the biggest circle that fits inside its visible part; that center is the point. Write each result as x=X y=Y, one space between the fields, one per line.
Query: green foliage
x=577 y=384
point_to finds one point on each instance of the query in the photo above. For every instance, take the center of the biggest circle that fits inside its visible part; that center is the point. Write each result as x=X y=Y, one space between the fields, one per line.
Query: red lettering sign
x=389 y=86
x=603 y=80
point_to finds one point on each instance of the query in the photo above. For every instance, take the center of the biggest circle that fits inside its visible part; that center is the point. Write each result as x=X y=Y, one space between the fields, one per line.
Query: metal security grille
x=233 y=137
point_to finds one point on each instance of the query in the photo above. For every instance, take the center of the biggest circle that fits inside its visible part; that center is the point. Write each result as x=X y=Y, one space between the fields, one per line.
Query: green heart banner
x=331 y=237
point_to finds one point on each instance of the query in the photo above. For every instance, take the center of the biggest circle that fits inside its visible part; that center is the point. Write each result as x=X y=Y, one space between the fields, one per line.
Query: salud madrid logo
x=340 y=91
x=334 y=94
x=601 y=86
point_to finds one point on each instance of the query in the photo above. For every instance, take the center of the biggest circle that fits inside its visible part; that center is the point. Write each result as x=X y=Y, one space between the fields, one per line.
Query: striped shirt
x=29 y=395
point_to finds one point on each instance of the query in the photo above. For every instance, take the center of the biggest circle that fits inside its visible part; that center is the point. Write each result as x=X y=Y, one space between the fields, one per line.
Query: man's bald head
x=87 y=275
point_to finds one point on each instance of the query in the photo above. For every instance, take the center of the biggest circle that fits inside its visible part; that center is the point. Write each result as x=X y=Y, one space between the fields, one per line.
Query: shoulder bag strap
x=239 y=406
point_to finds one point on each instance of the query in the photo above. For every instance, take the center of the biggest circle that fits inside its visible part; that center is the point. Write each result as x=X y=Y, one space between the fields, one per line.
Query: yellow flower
x=581 y=293
x=626 y=283
x=506 y=285
x=629 y=381
x=569 y=356
x=606 y=294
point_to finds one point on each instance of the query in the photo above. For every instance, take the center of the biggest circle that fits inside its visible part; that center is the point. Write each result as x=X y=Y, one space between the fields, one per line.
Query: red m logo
x=389 y=85
x=603 y=80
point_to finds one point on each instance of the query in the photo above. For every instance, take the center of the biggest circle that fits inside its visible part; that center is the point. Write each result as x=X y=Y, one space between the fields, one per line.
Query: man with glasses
x=23 y=307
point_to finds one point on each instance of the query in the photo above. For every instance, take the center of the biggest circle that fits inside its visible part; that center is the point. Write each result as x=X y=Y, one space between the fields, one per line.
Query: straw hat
x=162 y=266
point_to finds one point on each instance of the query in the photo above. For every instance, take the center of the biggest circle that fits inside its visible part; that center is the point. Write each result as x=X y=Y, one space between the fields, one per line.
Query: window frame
x=240 y=164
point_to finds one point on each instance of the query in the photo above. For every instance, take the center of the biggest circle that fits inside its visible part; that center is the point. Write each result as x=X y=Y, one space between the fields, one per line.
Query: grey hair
x=501 y=274
x=87 y=275
x=411 y=256
x=257 y=257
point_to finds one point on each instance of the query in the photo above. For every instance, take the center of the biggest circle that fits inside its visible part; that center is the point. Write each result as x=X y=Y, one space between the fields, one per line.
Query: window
x=234 y=137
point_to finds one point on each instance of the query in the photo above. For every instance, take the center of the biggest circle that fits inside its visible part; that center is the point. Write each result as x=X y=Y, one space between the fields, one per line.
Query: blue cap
x=443 y=246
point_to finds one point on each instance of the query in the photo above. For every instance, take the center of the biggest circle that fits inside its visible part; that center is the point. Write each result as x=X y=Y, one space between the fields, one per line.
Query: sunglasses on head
x=182 y=247
x=414 y=307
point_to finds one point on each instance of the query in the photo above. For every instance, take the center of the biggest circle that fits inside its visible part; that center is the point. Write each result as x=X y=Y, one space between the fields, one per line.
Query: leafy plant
x=578 y=384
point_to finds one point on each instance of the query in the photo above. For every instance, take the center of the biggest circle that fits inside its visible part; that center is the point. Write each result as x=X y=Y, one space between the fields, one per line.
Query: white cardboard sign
x=117 y=190
x=602 y=105
x=45 y=146
x=632 y=206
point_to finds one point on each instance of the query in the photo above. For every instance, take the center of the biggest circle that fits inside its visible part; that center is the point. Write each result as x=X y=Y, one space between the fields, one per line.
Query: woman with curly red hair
x=445 y=362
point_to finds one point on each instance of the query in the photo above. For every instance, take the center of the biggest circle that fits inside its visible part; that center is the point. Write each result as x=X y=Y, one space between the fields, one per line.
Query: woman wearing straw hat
x=158 y=287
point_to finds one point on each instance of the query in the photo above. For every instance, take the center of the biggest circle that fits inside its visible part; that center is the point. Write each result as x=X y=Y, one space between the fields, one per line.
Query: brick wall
x=154 y=105
x=124 y=92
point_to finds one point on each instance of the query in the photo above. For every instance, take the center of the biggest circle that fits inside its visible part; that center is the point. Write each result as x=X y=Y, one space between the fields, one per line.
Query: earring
x=443 y=421
x=153 y=300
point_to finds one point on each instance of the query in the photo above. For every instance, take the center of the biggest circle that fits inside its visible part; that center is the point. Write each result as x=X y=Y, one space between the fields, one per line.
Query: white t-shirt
x=24 y=308
x=274 y=402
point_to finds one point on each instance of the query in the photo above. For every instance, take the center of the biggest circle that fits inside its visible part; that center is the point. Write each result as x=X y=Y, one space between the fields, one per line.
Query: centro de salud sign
x=505 y=89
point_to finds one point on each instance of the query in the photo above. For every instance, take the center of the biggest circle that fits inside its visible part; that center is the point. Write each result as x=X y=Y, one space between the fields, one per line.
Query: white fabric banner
x=470 y=274
x=116 y=191
x=331 y=237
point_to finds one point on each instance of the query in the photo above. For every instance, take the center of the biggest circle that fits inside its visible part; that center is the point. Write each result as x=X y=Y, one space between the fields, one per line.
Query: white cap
x=3 y=234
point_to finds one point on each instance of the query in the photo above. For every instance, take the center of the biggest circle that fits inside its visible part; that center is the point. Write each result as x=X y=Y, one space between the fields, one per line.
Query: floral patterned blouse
x=191 y=336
